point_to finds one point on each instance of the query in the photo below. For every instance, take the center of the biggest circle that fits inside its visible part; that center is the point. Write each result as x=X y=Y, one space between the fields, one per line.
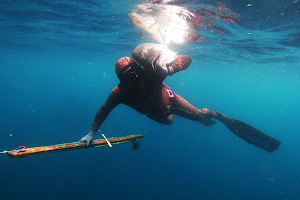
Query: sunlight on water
x=177 y=24
x=165 y=23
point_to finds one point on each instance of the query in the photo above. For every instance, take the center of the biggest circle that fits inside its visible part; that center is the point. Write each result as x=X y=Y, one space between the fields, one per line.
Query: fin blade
x=252 y=135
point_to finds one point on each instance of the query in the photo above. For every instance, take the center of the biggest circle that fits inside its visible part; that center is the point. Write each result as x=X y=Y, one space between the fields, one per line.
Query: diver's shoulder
x=117 y=89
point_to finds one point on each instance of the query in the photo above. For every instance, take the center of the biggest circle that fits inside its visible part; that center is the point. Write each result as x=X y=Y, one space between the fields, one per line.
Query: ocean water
x=57 y=69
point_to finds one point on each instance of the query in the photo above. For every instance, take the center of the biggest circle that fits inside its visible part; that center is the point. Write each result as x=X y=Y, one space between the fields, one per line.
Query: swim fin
x=249 y=133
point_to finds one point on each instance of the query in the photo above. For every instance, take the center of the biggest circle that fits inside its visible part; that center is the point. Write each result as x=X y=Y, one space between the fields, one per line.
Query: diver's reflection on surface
x=167 y=23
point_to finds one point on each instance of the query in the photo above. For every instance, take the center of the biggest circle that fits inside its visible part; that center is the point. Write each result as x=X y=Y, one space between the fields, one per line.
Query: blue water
x=57 y=69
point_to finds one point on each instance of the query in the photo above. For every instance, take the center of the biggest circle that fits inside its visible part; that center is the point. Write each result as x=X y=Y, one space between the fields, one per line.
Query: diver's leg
x=241 y=129
x=165 y=119
x=183 y=108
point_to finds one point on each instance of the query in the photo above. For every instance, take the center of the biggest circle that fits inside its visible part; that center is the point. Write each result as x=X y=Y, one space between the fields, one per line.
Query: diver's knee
x=168 y=120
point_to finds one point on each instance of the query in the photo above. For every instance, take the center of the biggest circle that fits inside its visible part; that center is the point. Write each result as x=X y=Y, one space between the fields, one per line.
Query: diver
x=141 y=87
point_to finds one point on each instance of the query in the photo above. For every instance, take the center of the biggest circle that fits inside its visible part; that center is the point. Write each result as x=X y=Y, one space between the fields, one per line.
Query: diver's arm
x=163 y=70
x=159 y=59
x=113 y=100
x=180 y=63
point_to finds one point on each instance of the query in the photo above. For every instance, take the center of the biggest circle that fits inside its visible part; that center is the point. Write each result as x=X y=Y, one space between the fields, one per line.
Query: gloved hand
x=88 y=138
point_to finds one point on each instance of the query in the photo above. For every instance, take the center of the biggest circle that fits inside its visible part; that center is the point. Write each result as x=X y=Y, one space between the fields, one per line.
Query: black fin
x=251 y=134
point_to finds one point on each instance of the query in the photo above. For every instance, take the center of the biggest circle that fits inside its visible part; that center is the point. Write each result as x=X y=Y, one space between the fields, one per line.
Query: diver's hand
x=180 y=63
x=88 y=138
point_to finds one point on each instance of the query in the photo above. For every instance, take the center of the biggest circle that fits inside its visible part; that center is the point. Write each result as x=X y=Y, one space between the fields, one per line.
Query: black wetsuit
x=154 y=99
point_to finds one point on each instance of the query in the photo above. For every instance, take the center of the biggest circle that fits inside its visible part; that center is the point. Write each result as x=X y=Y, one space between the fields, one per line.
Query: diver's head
x=129 y=72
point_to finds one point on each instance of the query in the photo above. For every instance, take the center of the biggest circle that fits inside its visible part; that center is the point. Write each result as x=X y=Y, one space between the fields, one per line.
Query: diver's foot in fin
x=223 y=118
x=249 y=133
x=207 y=122
x=180 y=63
